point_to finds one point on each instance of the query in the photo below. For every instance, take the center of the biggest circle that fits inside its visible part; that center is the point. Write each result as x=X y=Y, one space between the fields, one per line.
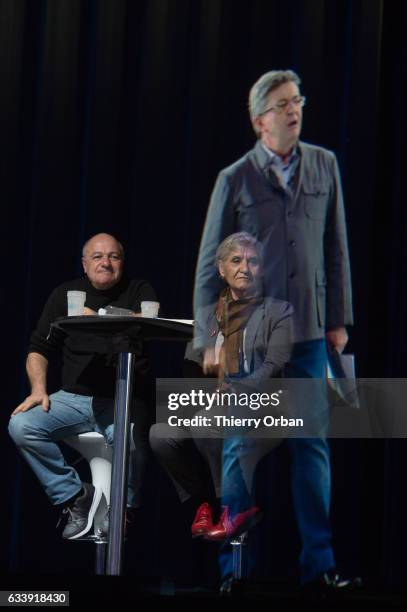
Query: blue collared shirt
x=284 y=170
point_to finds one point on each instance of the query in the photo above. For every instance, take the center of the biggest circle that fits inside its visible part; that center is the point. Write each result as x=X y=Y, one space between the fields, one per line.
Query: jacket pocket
x=315 y=202
x=320 y=282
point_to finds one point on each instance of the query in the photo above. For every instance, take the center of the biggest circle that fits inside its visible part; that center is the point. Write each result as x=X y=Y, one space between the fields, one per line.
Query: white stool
x=98 y=453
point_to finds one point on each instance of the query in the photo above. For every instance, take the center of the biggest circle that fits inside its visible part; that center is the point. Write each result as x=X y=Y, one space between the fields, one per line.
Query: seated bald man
x=86 y=400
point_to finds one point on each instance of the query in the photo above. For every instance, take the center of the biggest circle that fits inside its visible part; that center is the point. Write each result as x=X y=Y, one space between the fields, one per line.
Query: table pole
x=118 y=492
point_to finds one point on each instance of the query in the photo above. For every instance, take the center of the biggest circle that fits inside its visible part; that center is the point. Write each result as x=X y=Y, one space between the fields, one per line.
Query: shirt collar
x=276 y=159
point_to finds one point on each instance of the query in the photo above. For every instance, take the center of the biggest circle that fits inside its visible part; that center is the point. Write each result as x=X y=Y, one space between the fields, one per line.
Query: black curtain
x=116 y=116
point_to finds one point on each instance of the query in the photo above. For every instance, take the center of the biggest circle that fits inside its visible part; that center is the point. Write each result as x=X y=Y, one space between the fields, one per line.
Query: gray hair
x=236 y=240
x=264 y=85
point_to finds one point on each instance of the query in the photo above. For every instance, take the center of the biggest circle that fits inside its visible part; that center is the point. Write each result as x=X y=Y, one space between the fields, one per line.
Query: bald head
x=88 y=244
x=102 y=260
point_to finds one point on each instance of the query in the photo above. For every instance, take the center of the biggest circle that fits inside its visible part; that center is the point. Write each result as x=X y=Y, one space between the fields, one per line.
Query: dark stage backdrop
x=116 y=115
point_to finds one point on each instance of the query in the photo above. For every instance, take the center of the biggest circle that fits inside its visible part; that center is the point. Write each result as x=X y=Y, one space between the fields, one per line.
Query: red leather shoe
x=202 y=521
x=229 y=527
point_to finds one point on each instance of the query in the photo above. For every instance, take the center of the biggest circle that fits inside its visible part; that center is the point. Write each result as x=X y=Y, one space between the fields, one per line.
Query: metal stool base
x=238 y=555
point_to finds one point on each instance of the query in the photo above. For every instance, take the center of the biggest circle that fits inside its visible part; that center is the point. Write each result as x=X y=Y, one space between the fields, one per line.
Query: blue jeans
x=310 y=473
x=37 y=433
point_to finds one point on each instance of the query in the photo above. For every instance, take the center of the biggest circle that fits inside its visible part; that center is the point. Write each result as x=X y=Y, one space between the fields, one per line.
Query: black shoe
x=103 y=530
x=332 y=583
x=81 y=512
x=231 y=587
x=129 y=520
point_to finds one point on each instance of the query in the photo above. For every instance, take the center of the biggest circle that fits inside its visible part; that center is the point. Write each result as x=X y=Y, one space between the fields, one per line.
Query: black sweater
x=85 y=372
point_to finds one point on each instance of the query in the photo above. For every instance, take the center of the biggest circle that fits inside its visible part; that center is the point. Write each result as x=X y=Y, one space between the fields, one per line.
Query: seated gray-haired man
x=85 y=401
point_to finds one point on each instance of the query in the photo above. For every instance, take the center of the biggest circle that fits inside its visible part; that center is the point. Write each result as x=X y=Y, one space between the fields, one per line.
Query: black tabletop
x=142 y=327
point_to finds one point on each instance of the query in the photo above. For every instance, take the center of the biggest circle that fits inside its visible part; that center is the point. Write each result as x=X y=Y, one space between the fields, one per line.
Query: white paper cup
x=150 y=309
x=76 y=302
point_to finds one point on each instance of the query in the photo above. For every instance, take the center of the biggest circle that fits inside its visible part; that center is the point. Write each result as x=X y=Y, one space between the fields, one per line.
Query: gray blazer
x=267 y=341
x=303 y=234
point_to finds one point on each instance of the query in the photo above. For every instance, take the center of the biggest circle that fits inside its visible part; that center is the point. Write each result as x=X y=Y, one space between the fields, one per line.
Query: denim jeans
x=310 y=473
x=37 y=433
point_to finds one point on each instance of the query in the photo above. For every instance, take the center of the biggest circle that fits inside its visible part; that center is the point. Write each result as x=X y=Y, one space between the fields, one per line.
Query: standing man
x=288 y=195
x=86 y=399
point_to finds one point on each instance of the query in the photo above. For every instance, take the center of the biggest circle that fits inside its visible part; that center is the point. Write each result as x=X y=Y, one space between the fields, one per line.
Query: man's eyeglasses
x=282 y=105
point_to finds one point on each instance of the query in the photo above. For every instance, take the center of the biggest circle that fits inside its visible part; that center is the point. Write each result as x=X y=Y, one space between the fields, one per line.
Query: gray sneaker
x=81 y=512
